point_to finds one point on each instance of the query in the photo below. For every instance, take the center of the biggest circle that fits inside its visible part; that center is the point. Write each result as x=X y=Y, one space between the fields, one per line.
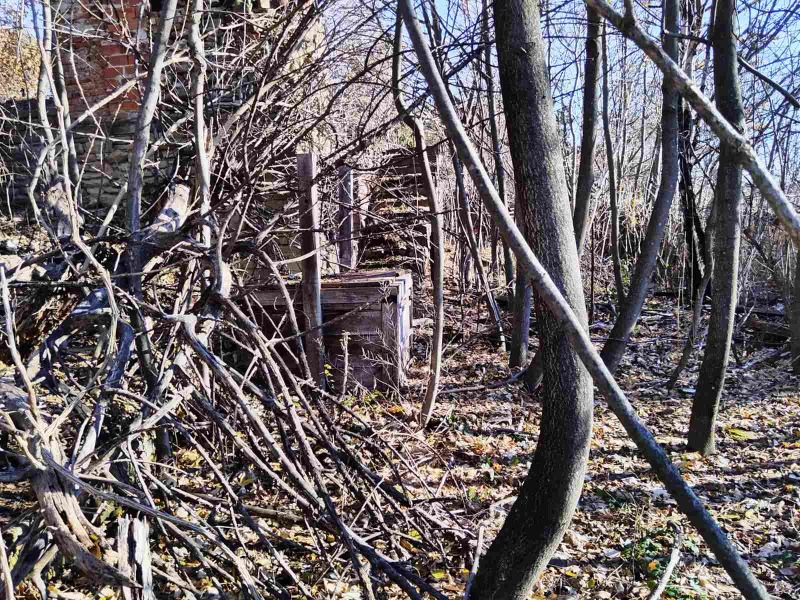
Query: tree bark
x=728 y=213
x=631 y=308
x=582 y=217
x=612 y=180
x=523 y=302
x=794 y=316
x=548 y=498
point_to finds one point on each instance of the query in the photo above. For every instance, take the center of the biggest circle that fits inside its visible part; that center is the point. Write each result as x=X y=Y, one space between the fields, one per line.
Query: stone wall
x=99 y=43
x=102 y=147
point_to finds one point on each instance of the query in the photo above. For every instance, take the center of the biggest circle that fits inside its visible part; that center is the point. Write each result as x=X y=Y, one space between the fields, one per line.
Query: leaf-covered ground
x=625 y=527
x=474 y=458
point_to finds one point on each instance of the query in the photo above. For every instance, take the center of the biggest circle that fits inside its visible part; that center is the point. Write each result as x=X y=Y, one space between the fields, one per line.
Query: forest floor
x=475 y=457
x=624 y=530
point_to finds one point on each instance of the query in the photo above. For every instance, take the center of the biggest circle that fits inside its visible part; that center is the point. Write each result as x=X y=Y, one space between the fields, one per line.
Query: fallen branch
x=674 y=558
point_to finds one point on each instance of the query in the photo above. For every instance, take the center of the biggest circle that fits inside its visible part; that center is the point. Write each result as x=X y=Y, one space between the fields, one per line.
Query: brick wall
x=102 y=48
x=104 y=45
x=104 y=39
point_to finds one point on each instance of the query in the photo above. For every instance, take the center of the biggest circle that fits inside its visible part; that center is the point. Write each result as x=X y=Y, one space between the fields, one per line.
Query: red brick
x=121 y=60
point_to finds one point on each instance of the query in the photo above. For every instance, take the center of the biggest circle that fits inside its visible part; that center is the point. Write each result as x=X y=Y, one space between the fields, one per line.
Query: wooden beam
x=348 y=250
x=309 y=243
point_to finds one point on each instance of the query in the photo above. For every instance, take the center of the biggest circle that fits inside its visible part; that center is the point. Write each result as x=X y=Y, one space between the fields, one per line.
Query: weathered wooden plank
x=391 y=341
x=347 y=297
x=363 y=323
x=348 y=252
x=309 y=223
x=141 y=538
x=379 y=331
x=123 y=554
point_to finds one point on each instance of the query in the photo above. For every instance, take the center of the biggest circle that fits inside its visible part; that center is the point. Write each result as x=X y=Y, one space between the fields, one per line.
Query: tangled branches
x=169 y=441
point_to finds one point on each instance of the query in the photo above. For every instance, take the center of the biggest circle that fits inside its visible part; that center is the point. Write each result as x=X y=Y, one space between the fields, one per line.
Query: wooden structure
x=369 y=312
x=373 y=308
x=398 y=238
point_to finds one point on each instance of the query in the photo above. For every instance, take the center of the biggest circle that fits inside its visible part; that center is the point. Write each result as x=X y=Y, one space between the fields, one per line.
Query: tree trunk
x=728 y=211
x=631 y=309
x=437 y=233
x=794 y=316
x=612 y=180
x=584 y=209
x=520 y=334
x=693 y=273
x=500 y=174
x=582 y=218
x=642 y=138
x=135 y=251
x=547 y=500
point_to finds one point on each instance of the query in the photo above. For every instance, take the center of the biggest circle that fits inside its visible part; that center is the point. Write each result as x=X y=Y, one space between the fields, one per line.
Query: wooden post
x=360 y=210
x=309 y=242
x=348 y=251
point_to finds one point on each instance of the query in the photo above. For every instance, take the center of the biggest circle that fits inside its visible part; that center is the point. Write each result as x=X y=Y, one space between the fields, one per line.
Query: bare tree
x=727 y=235
x=500 y=173
x=437 y=234
x=547 y=500
x=631 y=308
x=583 y=197
x=616 y=260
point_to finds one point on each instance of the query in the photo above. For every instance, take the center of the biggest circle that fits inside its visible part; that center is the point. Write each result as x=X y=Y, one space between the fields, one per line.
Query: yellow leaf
x=652 y=565
x=190 y=563
x=438 y=574
x=572 y=571
x=741 y=435
x=729 y=517
x=190 y=458
x=407 y=545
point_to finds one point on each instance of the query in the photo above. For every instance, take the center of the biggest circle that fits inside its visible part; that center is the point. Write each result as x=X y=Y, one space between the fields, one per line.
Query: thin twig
x=674 y=558
x=475 y=562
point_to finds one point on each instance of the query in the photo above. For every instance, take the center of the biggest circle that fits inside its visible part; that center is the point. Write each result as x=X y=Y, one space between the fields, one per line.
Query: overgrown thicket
x=157 y=401
x=174 y=445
